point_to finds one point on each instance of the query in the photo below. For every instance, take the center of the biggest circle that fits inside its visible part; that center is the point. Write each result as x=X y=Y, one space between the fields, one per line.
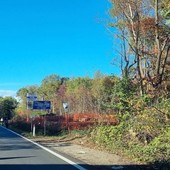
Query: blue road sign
x=31 y=97
x=41 y=105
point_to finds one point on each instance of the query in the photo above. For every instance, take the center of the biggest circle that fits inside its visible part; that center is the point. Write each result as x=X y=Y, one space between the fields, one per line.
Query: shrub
x=143 y=137
x=20 y=125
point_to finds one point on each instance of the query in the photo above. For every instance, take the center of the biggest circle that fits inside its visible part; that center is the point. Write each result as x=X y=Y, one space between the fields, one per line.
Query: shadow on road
x=7 y=147
x=87 y=167
x=16 y=157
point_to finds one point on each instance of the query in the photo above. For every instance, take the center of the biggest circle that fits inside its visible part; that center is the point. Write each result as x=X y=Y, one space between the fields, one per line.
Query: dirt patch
x=81 y=149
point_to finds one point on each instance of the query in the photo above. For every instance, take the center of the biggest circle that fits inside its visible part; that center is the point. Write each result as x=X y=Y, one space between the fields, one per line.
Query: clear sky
x=43 y=37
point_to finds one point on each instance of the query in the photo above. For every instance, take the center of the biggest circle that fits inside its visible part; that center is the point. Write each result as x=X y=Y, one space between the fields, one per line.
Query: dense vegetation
x=7 y=109
x=143 y=130
x=140 y=98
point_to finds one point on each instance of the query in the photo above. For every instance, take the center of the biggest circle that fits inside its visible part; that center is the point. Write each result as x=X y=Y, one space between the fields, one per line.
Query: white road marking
x=50 y=151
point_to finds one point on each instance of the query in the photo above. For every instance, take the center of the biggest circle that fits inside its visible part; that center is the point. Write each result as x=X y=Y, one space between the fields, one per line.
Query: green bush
x=143 y=137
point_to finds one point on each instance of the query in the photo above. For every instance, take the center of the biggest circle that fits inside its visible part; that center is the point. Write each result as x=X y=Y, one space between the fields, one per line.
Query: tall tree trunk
x=134 y=20
x=158 y=63
x=162 y=53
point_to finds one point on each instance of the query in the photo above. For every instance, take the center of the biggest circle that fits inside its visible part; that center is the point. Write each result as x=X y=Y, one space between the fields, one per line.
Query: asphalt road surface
x=18 y=153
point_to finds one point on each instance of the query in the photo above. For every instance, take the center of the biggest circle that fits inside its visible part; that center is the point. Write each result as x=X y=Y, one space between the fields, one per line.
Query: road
x=18 y=153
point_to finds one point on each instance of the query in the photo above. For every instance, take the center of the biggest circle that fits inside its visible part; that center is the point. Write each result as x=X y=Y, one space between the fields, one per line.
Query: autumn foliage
x=77 y=121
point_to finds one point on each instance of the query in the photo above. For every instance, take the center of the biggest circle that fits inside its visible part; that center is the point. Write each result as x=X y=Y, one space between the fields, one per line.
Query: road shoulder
x=88 y=155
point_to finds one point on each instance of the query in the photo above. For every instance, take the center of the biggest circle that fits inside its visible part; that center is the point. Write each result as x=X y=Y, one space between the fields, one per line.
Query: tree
x=165 y=11
x=162 y=44
x=97 y=91
x=145 y=51
x=22 y=93
x=49 y=88
x=79 y=94
x=128 y=14
x=7 y=107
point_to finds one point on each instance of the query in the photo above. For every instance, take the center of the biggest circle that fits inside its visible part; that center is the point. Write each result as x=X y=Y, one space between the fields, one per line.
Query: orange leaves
x=147 y=24
x=78 y=121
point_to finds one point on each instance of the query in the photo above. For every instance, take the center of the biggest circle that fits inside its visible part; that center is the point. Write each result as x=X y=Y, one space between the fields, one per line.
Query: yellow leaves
x=137 y=104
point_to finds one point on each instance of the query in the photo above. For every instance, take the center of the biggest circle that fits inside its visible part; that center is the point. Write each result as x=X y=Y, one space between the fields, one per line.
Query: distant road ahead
x=16 y=153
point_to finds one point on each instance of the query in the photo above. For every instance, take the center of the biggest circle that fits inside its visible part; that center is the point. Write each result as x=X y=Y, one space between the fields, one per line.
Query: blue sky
x=43 y=37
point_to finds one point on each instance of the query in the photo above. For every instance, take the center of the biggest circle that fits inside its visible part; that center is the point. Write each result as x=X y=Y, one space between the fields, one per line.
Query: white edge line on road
x=50 y=151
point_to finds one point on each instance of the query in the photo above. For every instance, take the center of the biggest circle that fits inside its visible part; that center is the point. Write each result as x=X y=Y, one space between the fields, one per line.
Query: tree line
x=83 y=94
x=143 y=30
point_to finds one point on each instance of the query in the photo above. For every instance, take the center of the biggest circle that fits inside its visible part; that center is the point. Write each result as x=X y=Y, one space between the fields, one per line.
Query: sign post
x=66 y=110
x=42 y=105
x=44 y=125
x=33 y=104
x=30 y=99
x=33 y=127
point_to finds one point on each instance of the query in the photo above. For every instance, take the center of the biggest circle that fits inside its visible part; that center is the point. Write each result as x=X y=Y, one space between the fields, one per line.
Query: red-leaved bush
x=55 y=123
